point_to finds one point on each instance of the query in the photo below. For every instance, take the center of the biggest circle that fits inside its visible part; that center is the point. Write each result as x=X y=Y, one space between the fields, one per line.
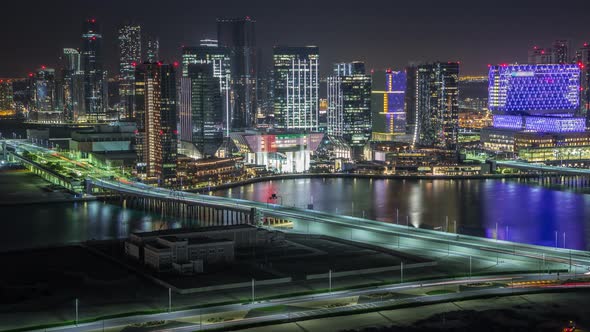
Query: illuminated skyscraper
x=219 y=58
x=6 y=98
x=388 y=99
x=437 y=106
x=239 y=36
x=95 y=84
x=296 y=87
x=152 y=50
x=129 y=57
x=72 y=84
x=583 y=61
x=157 y=135
x=45 y=90
x=349 y=103
x=561 y=51
x=201 y=115
x=538 y=55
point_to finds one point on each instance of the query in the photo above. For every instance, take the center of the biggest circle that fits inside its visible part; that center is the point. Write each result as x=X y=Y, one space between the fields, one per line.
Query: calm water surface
x=522 y=212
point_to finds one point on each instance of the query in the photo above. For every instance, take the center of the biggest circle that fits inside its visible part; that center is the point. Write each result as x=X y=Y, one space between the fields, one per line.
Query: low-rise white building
x=187 y=250
x=186 y=255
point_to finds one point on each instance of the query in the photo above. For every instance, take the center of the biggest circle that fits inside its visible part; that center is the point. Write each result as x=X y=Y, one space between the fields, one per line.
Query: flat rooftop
x=181 y=231
x=206 y=240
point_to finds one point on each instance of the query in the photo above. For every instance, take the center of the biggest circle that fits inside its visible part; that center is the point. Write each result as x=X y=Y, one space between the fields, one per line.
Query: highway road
x=499 y=285
x=317 y=222
x=462 y=244
x=543 y=168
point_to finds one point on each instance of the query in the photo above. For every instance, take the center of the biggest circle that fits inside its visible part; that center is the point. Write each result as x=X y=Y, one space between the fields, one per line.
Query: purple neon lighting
x=508 y=122
x=395 y=87
x=534 y=89
x=544 y=124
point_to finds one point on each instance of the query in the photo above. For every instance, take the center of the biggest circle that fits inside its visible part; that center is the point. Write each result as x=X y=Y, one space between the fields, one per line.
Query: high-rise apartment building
x=561 y=51
x=388 y=101
x=296 y=87
x=219 y=59
x=156 y=118
x=45 y=90
x=436 y=121
x=152 y=49
x=349 y=103
x=6 y=98
x=201 y=116
x=95 y=83
x=238 y=35
x=72 y=78
x=129 y=58
x=539 y=55
x=558 y=53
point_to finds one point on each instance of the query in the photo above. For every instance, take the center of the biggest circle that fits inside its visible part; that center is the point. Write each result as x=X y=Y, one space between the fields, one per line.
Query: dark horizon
x=381 y=33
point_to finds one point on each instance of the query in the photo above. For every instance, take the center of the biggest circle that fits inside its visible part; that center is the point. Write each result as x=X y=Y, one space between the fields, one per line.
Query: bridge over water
x=213 y=210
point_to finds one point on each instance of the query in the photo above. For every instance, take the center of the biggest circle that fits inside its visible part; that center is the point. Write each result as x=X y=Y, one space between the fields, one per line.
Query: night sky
x=383 y=33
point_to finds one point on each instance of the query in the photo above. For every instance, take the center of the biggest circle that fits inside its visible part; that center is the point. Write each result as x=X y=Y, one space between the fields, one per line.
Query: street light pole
x=496 y=231
x=469 y=267
x=401 y=273
x=397 y=216
x=76 y=312
x=169 y=300
x=330 y=280
x=252 y=290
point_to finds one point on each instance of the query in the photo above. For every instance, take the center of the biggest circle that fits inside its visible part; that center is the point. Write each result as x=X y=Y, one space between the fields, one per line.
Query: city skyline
x=383 y=35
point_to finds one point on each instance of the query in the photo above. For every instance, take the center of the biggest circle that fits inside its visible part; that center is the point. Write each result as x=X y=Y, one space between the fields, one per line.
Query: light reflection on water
x=521 y=212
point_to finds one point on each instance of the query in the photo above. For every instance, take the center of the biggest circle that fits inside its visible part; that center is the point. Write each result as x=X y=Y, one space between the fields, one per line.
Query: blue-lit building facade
x=534 y=112
x=389 y=115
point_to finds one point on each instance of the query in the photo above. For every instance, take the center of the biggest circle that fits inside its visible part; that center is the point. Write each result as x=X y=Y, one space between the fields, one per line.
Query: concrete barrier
x=369 y=271
x=231 y=286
